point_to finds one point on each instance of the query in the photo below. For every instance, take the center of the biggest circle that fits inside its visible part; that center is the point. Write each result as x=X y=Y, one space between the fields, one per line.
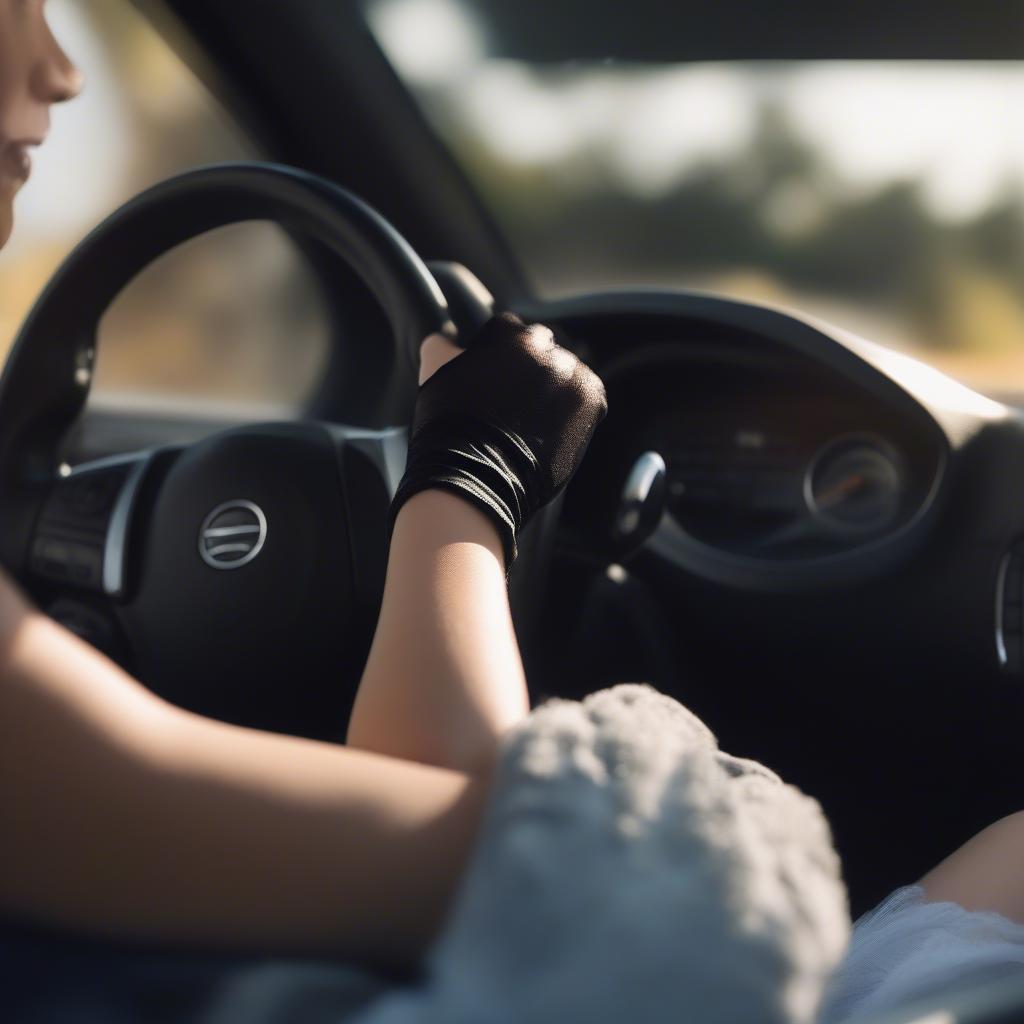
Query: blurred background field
x=887 y=198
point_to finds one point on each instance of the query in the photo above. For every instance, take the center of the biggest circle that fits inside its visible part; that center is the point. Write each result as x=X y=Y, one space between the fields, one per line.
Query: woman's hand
x=505 y=426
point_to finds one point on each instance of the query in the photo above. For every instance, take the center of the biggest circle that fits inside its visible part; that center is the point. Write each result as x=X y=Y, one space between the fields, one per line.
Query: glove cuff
x=496 y=472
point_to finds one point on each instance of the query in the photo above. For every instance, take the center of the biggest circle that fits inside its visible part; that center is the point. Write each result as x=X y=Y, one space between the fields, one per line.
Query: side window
x=233 y=316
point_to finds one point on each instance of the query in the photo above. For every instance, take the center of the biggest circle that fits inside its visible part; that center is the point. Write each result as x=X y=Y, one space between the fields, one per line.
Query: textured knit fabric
x=629 y=871
x=907 y=949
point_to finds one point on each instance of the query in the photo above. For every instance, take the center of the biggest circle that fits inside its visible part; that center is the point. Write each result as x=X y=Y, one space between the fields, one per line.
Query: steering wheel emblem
x=232 y=535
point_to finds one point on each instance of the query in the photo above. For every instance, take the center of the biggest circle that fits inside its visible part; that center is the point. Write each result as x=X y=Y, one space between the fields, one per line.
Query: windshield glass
x=886 y=197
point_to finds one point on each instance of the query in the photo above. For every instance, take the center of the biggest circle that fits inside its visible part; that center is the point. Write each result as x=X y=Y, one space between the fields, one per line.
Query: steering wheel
x=229 y=575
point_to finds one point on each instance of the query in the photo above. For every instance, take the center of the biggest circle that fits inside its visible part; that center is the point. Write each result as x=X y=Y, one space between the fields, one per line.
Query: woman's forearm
x=124 y=815
x=444 y=678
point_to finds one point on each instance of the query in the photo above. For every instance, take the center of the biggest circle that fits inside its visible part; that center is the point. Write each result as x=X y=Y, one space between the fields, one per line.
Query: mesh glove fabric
x=504 y=425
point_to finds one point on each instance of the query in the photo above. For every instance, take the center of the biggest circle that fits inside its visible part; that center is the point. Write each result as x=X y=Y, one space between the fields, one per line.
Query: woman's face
x=34 y=72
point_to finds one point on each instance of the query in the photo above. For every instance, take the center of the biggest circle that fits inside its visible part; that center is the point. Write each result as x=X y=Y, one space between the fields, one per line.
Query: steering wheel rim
x=305 y=475
x=44 y=386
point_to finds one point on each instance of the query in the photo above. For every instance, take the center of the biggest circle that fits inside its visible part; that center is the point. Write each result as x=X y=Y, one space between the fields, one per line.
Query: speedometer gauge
x=854 y=485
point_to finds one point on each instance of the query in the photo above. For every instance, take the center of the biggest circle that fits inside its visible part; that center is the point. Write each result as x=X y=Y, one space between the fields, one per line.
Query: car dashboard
x=824 y=584
x=784 y=470
x=768 y=459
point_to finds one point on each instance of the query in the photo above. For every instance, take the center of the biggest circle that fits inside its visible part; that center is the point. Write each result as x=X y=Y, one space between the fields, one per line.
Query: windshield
x=886 y=197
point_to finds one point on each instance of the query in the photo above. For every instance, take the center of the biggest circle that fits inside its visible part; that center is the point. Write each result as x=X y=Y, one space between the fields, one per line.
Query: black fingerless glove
x=504 y=425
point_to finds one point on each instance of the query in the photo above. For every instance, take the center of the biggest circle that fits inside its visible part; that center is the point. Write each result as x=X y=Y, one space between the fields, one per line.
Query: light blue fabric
x=907 y=949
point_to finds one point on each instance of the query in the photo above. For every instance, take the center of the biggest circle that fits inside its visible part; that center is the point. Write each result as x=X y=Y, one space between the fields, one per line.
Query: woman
x=91 y=762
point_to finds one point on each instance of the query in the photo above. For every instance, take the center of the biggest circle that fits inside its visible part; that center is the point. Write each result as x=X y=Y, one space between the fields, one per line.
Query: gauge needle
x=805 y=526
x=850 y=485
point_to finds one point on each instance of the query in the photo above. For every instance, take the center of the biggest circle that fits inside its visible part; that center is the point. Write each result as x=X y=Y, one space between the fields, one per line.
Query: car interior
x=812 y=539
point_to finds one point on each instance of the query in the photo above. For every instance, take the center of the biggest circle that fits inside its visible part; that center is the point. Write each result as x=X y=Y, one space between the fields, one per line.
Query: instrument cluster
x=770 y=460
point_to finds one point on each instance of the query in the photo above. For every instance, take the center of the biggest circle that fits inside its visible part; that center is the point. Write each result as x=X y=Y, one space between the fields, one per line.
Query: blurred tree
x=773 y=211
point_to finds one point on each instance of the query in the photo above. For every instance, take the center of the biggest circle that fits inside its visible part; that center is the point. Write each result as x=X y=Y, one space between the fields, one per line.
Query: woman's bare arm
x=444 y=678
x=986 y=873
x=124 y=815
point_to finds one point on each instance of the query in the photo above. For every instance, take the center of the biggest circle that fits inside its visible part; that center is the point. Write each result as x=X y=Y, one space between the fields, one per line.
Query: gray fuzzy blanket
x=628 y=871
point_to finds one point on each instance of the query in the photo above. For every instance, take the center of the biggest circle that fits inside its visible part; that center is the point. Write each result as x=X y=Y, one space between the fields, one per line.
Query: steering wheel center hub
x=267 y=503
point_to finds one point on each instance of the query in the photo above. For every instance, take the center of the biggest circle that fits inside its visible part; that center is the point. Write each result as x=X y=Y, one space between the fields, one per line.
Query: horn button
x=267 y=504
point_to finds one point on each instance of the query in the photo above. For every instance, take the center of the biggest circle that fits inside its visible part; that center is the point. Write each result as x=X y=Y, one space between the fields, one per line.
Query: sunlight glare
x=432 y=41
x=674 y=116
x=520 y=118
x=957 y=128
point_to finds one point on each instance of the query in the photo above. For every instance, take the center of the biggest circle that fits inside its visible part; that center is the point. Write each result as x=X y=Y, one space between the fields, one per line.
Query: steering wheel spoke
x=80 y=538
